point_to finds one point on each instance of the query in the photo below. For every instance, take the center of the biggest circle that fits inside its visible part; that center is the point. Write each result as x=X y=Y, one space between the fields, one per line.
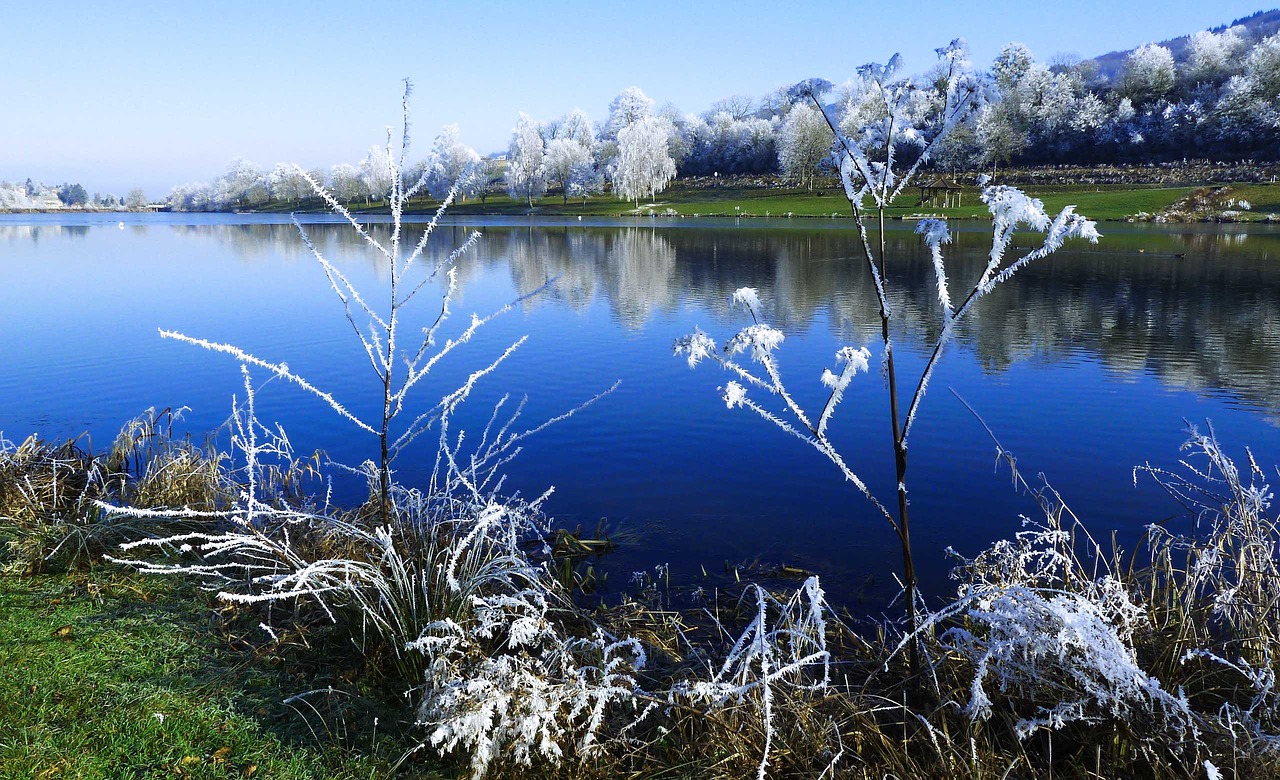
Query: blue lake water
x=1085 y=365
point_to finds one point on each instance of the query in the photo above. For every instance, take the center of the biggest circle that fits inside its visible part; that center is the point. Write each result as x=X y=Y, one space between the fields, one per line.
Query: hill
x=1254 y=28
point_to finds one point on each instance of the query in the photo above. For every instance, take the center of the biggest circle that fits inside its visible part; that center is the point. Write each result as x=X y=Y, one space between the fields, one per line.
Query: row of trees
x=637 y=151
x=632 y=150
x=1218 y=97
x=640 y=148
x=246 y=186
x=37 y=196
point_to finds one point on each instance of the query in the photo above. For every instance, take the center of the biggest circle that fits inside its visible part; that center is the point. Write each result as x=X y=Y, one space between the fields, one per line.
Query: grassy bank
x=1103 y=202
x=109 y=674
x=1150 y=671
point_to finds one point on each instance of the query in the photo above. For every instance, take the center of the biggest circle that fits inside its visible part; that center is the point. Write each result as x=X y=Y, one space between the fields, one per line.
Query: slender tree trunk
x=899 y=460
x=384 y=470
x=899 y=443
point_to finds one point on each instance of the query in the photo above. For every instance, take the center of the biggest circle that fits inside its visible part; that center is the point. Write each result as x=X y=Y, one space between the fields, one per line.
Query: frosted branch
x=279 y=369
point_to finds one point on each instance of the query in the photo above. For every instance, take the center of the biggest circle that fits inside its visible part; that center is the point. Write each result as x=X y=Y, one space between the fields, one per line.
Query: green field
x=1102 y=203
x=111 y=675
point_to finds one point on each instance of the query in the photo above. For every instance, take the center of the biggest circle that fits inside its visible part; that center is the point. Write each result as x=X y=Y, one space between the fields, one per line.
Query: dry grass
x=1207 y=625
x=50 y=517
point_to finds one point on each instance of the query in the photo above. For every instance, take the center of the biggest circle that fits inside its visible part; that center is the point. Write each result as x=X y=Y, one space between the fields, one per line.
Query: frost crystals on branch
x=760 y=340
x=785 y=643
x=889 y=129
x=400 y=363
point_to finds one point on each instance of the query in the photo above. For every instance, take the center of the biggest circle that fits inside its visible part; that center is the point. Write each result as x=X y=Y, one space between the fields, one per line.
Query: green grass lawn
x=1098 y=202
x=112 y=675
x=1109 y=203
x=1264 y=198
x=1101 y=203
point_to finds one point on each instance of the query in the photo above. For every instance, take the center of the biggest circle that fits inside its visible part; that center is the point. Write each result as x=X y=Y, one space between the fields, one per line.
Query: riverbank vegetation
x=1057 y=654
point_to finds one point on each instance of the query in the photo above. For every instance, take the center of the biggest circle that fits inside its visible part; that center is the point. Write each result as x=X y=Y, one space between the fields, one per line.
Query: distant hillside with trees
x=1209 y=97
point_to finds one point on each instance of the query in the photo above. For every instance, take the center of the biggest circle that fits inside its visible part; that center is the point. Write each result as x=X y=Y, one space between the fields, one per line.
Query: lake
x=1085 y=365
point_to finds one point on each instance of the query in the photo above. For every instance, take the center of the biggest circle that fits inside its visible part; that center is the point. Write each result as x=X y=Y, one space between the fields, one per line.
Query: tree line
x=1216 y=98
x=37 y=196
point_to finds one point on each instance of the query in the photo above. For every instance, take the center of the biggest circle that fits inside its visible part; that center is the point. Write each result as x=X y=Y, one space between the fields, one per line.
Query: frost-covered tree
x=135 y=198
x=377 y=173
x=1011 y=66
x=739 y=107
x=484 y=174
x=726 y=145
x=191 y=197
x=803 y=143
x=1149 y=74
x=757 y=147
x=1030 y=105
x=450 y=159
x=585 y=180
x=630 y=106
x=319 y=176
x=644 y=165
x=562 y=157
x=1038 y=113
x=526 y=174
x=1214 y=57
x=1247 y=113
x=287 y=183
x=574 y=126
x=344 y=182
x=1262 y=69
x=997 y=135
x=1237 y=111
x=776 y=103
x=242 y=185
x=680 y=142
x=15 y=196
x=1090 y=114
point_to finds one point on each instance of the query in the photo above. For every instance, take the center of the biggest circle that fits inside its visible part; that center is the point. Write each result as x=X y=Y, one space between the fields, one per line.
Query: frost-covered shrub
x=1044 y=635
x=532 y=704
x=455 y=592
x=1177 y=656
x=785 y=644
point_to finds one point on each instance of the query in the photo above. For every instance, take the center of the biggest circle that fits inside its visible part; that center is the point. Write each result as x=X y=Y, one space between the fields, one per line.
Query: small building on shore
x=940 y=193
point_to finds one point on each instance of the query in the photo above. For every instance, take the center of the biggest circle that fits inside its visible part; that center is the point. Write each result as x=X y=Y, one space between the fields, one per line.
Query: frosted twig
x=279 y=369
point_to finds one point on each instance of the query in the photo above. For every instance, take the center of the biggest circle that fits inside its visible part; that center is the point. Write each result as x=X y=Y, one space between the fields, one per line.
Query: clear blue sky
x=153 y=94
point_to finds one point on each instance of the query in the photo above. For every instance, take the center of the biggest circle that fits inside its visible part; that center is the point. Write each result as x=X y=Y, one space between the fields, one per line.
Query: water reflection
x=37 y=233
x=1199 y=308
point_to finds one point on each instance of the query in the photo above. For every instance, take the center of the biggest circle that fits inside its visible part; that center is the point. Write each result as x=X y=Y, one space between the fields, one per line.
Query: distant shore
x=1176 y=192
